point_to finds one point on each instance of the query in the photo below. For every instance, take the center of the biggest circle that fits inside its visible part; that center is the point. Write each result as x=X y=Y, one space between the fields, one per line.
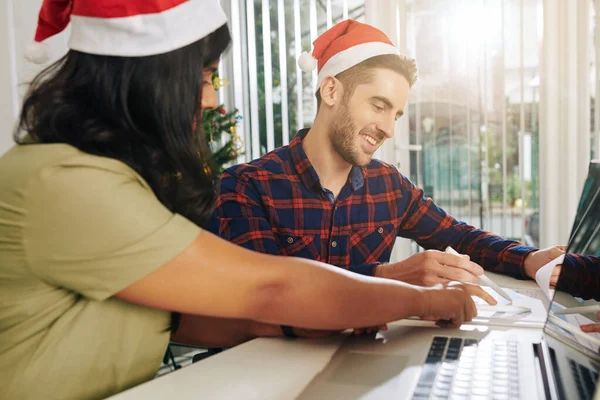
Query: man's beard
x=342 y=134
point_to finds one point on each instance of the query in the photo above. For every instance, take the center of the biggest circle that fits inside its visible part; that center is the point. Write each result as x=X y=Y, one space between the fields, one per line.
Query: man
x=324 y=197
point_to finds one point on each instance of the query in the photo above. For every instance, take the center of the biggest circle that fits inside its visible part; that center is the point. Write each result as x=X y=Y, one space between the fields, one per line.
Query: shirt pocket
x=297 y=246
x=367 y=246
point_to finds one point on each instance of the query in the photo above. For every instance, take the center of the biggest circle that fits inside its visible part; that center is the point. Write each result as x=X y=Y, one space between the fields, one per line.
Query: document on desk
x=542 y=276
x=525 y=310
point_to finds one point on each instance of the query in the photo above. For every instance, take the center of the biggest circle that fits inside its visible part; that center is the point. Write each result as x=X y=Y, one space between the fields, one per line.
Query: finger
x=474 y=290
x=555 y=275
x=461 y=262
x=449 y=273
x=466 y=277
x=472 y=309
x=444 y=323
x=458 y=319
x=591 y=328
x=383 y=327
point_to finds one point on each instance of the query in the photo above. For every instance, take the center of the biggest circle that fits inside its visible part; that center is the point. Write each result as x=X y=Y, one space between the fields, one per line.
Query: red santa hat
x=343 y=46
x=126 y=28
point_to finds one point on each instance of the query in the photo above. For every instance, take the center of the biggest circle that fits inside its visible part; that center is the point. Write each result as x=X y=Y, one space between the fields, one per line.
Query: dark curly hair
x=139 y=110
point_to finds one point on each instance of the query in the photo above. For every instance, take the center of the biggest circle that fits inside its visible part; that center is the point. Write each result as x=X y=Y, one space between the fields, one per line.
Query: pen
x=501 y=308
x=579 y=310
x=484 y=280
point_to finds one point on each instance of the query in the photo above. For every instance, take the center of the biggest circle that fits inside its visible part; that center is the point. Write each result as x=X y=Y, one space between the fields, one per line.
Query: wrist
x=379 y=271
x=528 y=267
x=424 y=305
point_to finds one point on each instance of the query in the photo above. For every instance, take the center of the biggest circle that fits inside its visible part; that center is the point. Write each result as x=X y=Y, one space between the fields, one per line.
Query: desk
x=274 y=368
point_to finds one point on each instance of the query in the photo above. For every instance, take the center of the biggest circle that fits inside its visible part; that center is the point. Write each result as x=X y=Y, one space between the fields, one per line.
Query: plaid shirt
x=277 y=205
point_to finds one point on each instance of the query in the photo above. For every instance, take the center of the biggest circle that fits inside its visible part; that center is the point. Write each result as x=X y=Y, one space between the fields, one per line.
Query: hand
x=431 y=267
x=450 y=305
x=369 y=330
x=536 y=260
x=592 y=327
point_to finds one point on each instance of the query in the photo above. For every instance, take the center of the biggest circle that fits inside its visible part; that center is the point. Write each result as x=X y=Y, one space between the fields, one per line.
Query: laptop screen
x=584 y=240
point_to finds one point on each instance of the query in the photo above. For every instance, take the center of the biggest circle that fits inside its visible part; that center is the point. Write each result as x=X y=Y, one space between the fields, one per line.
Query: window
x=473 y=112
x=275 y=97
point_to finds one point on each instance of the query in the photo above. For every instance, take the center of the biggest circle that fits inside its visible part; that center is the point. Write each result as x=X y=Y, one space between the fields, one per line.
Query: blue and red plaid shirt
x=277 y=205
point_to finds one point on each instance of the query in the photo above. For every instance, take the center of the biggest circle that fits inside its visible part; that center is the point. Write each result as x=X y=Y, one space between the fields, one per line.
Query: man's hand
x=431 y=267
x=539 y=258
x=592 y=327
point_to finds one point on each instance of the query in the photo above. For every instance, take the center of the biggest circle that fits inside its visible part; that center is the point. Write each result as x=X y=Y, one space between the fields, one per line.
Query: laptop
x=479 y=361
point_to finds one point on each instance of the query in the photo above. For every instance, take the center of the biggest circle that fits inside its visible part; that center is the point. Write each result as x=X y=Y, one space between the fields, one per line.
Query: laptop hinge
x=542 y=358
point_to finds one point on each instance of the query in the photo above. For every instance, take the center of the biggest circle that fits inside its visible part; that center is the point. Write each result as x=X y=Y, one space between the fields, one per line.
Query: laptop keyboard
x=585 y=379
x=458 y=368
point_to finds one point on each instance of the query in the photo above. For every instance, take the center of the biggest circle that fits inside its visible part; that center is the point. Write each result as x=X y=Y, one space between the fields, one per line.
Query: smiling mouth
x=370 y=139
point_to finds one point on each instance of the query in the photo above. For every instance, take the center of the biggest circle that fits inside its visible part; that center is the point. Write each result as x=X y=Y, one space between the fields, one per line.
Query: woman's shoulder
x=47 y=160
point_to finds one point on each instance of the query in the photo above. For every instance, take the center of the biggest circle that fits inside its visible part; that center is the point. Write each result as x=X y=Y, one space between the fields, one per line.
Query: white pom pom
x=37 y=53
x=307 y=62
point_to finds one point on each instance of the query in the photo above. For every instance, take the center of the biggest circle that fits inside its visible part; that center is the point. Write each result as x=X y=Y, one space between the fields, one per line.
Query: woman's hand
x=451 y=304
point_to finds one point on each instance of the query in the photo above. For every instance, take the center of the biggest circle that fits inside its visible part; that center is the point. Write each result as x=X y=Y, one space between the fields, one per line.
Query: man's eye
x=378 y=108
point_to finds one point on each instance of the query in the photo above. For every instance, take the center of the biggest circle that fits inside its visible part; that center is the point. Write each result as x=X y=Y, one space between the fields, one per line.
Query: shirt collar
x=307 y=172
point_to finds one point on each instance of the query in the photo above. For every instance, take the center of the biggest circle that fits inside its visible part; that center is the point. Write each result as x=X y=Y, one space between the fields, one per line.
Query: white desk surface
x=263 y=368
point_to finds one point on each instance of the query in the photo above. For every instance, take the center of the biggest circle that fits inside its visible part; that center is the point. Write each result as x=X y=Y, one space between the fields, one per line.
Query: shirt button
x=380 y=230
x=334 y=244
x=290 y=240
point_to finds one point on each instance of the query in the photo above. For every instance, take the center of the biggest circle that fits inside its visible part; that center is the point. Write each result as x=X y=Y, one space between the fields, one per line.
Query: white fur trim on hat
x=147 y=34
x=354 y=55
x=307 y=62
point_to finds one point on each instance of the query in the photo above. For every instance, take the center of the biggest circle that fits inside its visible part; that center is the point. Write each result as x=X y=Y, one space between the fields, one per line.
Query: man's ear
x=331 y=91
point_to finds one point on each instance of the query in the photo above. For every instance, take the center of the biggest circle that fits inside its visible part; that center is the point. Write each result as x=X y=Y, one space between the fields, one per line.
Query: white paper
x=542 y=276
x=537 y=315
x=576 y=320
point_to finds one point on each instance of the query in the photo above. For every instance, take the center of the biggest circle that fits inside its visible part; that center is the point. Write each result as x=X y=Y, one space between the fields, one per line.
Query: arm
x=209 y=332
x=580 y=276
x=213 y=277
x=432 y=228
x=114 y=238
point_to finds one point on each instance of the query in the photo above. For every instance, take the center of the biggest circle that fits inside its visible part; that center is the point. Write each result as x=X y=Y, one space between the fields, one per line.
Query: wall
x=17 y=26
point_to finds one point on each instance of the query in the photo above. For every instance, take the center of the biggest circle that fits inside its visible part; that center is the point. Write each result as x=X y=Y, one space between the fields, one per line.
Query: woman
x=101 y=203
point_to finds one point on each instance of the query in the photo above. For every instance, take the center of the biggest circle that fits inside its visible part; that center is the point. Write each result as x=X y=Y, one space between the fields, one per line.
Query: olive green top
x=76 y=229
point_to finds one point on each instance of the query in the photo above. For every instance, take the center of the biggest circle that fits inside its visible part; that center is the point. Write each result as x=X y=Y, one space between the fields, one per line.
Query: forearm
x=581 y=276
x=202 y=331
x=216 y=278
x=432 y=228
x=318 y=296
x=488 y=250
